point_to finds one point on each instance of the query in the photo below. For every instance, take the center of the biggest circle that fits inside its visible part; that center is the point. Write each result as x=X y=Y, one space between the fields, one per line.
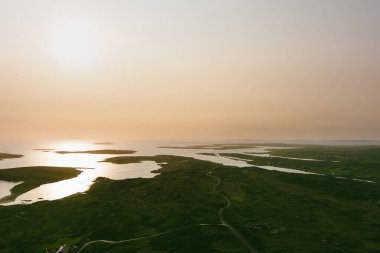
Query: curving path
x=144 y=237
x=243 y=241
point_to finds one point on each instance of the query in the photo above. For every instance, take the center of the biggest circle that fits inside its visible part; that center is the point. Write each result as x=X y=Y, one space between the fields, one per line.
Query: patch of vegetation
x=231 y=146
x=355 y=162
x=332 y=153
x=213 y=146
x=305 y=213
x=104 y=143
x=9 y=156
x=32 y=177
x=100 y=152
x=136 y=159
x=197 y=239
x=277 y=212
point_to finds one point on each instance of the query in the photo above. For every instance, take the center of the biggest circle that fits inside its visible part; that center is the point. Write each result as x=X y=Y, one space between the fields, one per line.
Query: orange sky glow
x=189 y=69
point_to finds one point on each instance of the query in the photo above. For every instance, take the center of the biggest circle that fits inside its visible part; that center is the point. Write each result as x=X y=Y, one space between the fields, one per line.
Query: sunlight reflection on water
x=92 y=168
x=82 y=182
x=5 y=187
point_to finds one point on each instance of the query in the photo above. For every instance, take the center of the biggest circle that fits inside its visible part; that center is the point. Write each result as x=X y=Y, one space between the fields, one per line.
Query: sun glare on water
x=72 y=146
x=74 y=43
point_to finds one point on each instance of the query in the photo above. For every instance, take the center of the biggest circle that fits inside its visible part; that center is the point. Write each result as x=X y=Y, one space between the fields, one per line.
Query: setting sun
x=74 y=43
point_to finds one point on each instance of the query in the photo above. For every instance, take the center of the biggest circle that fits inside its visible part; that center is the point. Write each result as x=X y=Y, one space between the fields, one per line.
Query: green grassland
x=9 y=156
x=276 y=212
x=32 y=177
x=333 y=153
x=355 y=162
x=99 y=152
x=231 y=146
x=213 y=146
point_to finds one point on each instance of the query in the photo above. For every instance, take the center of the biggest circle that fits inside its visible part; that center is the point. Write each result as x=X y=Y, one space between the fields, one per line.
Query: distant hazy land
x=99 y=152
x=8 y=156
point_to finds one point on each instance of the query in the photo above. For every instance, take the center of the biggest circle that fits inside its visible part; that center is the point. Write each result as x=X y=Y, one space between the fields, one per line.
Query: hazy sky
x=189 y=69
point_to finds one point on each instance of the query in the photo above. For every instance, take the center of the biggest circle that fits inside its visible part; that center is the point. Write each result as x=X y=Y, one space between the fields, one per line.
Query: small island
x=32 y=177
x=100 y=152
x=138 y=159
x=104 y=143
x=9 y=156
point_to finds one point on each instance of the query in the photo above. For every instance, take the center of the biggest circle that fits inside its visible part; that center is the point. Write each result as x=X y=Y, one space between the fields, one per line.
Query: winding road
x=144 y=237
x=243 y=241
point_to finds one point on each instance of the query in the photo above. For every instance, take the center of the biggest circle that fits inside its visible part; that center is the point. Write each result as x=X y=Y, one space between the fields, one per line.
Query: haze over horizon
x=190 y=69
